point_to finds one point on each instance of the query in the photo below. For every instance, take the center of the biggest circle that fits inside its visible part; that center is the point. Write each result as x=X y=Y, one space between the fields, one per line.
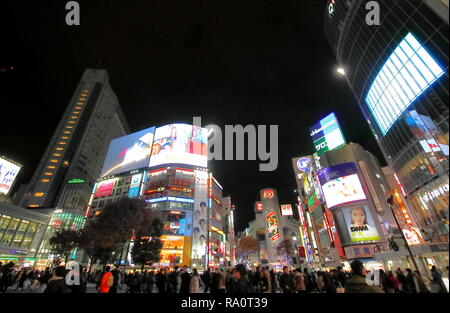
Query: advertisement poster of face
x=360 y=224
x=199 y=233
x=180 y=143
x=129 y=152
x=8 y=172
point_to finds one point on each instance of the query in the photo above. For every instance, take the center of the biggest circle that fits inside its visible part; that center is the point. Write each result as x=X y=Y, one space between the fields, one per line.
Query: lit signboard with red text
x=272 y=226
x=105 y=188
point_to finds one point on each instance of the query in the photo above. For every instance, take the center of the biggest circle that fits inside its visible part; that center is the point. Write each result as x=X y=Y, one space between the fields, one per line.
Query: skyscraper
x=74 y=156
x=398 y=72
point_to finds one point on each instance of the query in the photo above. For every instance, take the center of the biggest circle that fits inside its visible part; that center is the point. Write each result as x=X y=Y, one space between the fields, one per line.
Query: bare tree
x=246 y=246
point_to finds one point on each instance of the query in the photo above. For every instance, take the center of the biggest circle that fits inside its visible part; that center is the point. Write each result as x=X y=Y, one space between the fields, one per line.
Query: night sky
x=230 y=62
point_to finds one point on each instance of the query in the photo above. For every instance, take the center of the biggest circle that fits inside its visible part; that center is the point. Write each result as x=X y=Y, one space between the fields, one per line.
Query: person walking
x=273 y=281
x=185 y=280
x=23 y=277
x=230 y=282
x=206 y=279
x=266 y=286
x=437 y=284
x=409 y=280
x=419 y=283
x=395 y=282
x=173 y=280
x=161 y=281
x=194 y=286
x=402 y=279
x=106 y=280
x=299 y=281
x=115 y=285
x=357 y=283
x=57 y=283
x=286 y=282
x=243 y=284
x=386 y=283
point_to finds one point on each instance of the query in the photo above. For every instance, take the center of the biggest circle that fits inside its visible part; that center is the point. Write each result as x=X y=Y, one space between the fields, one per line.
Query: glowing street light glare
x=341 y=71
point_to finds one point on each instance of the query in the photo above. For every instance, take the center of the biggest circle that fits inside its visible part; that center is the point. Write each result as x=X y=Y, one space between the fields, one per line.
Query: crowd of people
x=233 y=280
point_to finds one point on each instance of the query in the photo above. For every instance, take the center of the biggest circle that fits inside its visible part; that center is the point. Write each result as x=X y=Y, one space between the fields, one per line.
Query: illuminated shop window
x=76 y=112
x=67 y=132
x=82 y=99
x=75 y=117
x=33 y=205
x=52 y=167
x=45 y=180
x=83 y=95
x=80 y=103
x=38 y=194
x=77 y=108
x=407 y=73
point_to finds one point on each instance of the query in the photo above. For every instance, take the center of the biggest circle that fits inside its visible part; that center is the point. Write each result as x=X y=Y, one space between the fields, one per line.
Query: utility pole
x=390 y=201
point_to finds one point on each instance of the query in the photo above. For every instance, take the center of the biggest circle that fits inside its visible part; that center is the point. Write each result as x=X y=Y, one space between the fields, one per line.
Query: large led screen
x=327 y=134
x=129 y=152
x=180 y=143
x=341 y=184
x=360 y=224
x=407 y=73
x=8 y=173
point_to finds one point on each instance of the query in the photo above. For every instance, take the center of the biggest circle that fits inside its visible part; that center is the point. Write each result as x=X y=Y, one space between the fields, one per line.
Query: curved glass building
x=398 y=72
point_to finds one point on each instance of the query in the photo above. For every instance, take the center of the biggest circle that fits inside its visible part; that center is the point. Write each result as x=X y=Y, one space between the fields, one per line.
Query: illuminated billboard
x=175 y=223
x=129 y=152
x=407 y=73
x=8 y=173
x=360 y=224
x=105 y=188
x=133 y=191
x=327 y=134
x=258 y=206
x=286 y=209
x=272 y=226
x=180 y=143
x=341 y=184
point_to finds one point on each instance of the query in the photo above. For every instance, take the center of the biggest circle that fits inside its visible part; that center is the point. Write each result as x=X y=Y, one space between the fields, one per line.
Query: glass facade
x=398 y=72
x=16 y=232
x=408 y=72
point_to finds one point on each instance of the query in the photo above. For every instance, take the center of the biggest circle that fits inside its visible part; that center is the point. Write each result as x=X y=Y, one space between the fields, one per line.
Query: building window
x=45 y=180
x=67 y=132
x=56 y=155
x=54 y=161
x=72 y=122
x=64 y=137
x=38 y=194
x=69 y=127
x=74 y=117
x=62 y=143
x=48 y=174
x=78 y=108
x=52 y=167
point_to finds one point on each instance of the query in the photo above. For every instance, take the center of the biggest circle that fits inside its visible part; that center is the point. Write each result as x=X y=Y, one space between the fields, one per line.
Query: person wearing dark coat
x=161 y=281
x=206 y=279
x=243 y=284
x=402 y=279
x=357 y=283
x=286 y=281
x=57 y=284
x=185 y=280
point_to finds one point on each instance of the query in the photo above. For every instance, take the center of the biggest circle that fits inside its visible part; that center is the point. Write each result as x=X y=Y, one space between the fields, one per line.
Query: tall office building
x=74 y=157
x=398 y=72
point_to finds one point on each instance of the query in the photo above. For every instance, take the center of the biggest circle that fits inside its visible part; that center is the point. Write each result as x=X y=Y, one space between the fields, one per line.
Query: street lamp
x=341 y=71
x=390 y=201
